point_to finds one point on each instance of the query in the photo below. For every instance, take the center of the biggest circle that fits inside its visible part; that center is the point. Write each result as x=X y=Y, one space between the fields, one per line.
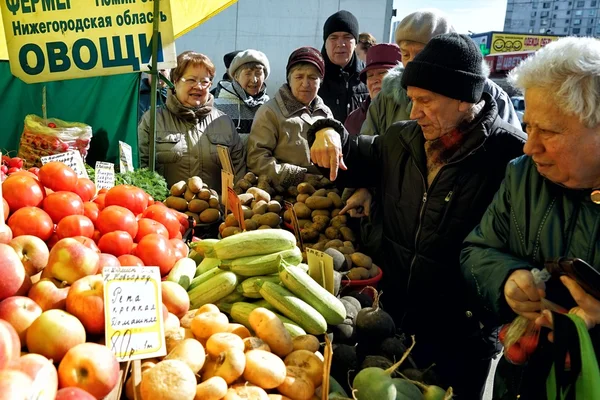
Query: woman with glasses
x=189 y=127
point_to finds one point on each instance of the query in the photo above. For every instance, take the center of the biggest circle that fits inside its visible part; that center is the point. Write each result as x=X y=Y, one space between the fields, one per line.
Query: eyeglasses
x=191 y=82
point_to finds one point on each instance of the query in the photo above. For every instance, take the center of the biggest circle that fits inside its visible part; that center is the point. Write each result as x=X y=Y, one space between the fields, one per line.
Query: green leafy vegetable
x=150 y=181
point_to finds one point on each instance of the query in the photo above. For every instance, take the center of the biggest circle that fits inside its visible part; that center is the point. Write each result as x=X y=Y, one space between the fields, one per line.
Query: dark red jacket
x=357 y=117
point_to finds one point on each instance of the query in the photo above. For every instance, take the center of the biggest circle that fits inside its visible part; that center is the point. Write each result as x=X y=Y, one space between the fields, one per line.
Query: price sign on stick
x=320 y=268
x=295 y=225
x=134 y=328
x=125 y=157
x=225 y=159
x=105 y=175
x=236 y=207
x=226 y=183
x=327 y=356
x=72 y=158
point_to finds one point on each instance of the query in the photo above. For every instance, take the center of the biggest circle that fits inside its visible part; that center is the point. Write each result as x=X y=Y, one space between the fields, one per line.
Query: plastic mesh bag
x=52 y=136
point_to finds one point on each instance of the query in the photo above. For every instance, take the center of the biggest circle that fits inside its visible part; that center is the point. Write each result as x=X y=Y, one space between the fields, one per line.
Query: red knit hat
x=306 y=55
x=384 y=55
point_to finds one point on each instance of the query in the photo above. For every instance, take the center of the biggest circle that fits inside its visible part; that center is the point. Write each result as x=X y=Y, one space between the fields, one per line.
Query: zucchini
x=183 y=272
x=206 y=265
x=264 y=264
x=265 y=304
x=212 y=290
x=305 y=287
x=204 y=247
x=248 y=288
x=197 y=257
x=240 y=313
x=292 y=307
x=204 y=277
x=254 y=243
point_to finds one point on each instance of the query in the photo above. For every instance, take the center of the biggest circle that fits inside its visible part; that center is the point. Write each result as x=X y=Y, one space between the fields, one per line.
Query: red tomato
x=117 y=243
x=34 y=170
x=22 y=191
x=178 y=235
x=87 y=242
x=181 y=249
x=75 y=225
x=103 y=191
x=155 y=250
x=100 y=201
x=85 y=188
x=165 y=216
x=150 y=200
x=12 y=170
x=130 y=197
x=91 y=210
x=6 y=209
x=117 y=218
x=147 y=226
x=133 y=249
x=25 y=173
x=58 y=176
x=129 y=260
x=96 y=236
x=52 y=241
x=61 y=204
x=31 y=221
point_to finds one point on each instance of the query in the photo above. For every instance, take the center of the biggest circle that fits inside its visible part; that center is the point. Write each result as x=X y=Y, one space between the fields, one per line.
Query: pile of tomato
x=123 y=221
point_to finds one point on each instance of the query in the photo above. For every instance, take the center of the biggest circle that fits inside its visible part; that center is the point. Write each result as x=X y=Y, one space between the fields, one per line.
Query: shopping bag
x=580 y=379
x=51 y=136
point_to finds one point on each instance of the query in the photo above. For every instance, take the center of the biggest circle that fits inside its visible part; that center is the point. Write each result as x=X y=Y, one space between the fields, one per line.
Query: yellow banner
x=188 y=14
x=50 y=40
x=514 y=43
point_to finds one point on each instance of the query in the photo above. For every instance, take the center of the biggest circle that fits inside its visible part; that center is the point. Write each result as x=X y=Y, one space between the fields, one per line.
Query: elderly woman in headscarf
x=277 y=144
x=189 y=128
x=241 y=97
x=547 y=207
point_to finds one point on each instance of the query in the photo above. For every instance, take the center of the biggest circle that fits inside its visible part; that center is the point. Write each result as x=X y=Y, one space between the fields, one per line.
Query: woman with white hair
x=547 y=207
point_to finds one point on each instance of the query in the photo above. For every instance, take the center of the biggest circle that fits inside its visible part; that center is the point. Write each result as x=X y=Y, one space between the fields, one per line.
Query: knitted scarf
x=189 y=114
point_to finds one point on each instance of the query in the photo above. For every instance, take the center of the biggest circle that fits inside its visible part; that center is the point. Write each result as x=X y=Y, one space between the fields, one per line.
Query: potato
x=320 y=193
x=260 y=194
x=264 y=227
x=303 y=223
x=231 y=221
x=203 y=194
x=347 y=234
x=254 y=343
x=323 y=238
x=239 y=330
x=287 y=216
x=176 y=203
x=269 y=328
x=244 y=391
x=246 y=198
x=348 y=244
x=250 y=177
x=309 y=235
x=301 y=198
x=264 y=369
x=318 y=246
x=213 y=202
x=244 y=184
x=197 y=206
x=230 y=231
x=265 y=178
x=292 y=191
x=209 y=215
x=320 y=212
x=266 y=187
x=306 y=188
x=256 y=218
x=302 y=211
x=362 y=260
x=206 y=309
x=349 y=264
x=306 y=342
x=373 y=271
x=222 y=227
x=230 y=365
x=358 y=273
x=270 y=219
x=336 y=199
x=251 y=225
x=321 y=219
x=223 y=341
x=346 y=250
x=178 y=189
x=195 y=184
x=335 y=212
x=334 y=243
x=191 y=352
x=339 y=221
x=318 y=202
x=193 y=215
x=261 y=207
x=309 y=362
x=214 y=388
x=333 y=233
x=274 y=206
x=297 y=384
x=248 y=213
x=206 y=324
x=278 y=397
x=320 y=226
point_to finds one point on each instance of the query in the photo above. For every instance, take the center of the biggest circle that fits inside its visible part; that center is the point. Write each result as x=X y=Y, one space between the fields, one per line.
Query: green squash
x=406 y=390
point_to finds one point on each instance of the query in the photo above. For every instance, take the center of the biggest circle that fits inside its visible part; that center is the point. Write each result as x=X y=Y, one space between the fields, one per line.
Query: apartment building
x=557 y=17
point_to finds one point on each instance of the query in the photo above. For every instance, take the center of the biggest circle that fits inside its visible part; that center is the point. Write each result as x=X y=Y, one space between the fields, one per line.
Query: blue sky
x=466 y=15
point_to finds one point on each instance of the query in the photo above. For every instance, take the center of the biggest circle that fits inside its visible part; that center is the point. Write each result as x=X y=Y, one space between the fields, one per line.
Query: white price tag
x=105 y=175
x=72 y=158
x=125 y=157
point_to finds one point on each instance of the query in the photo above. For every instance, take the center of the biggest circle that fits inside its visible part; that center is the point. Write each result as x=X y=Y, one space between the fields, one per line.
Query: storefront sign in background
x=514 y=43
x=51 y=40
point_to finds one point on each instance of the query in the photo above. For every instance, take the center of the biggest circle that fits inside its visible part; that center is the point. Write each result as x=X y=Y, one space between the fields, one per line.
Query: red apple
x=25 y=286
x=43 y=374
x=10 y=345
x=32 y=251
x=73 y=393
x=107 y=260
x=6 y=234
x=91 y=367
x=14 y=385
x=49 y=293
x=53 y=333
x=20 y=312
x=12 y=272
x=86 y=302
x=175 y=298
x=71 y=260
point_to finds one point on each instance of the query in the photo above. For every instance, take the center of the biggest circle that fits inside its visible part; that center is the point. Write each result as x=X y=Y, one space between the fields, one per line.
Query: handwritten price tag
x=71 y=158
x=133 y=311
x=125 y=157
x=235 y=206
x=105 y=175
x=320 y=268
x=226 y=183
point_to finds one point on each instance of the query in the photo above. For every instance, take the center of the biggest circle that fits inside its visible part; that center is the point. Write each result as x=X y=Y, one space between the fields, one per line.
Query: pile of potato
x=195 y=199
x=277 y=192
x=260 y=212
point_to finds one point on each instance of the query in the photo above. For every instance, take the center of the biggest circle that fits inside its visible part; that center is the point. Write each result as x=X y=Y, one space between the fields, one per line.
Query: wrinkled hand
x=522 y=295
x=326 y=151
x=588 y=308
x=359 y=204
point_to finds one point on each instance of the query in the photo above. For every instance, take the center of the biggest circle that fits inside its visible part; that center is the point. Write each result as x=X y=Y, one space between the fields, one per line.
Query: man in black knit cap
x=437 y=173
x=342 y=90
x=227 y=59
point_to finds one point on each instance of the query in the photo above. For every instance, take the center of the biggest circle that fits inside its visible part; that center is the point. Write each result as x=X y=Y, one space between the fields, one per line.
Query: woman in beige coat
x=189 y=128
x=277 y=143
